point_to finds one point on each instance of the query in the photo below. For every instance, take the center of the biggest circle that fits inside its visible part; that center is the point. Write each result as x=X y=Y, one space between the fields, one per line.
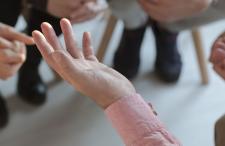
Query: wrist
x=110 y=101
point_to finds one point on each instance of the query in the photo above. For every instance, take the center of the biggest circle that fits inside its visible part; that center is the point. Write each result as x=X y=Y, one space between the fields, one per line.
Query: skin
x=12 y=50
x=81 y=67
x=76 y=10
x=173 y=10
x=217 y=57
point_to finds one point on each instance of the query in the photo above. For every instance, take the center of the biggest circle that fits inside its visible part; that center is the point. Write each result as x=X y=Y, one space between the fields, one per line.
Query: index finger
x=69 y=38
x=11 y=34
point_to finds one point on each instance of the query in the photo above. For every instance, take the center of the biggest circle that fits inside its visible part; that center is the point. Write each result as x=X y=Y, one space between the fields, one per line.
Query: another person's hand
x=9 y=34
x=81 y=68
x=218 y=56
x=11 y=59
x=76 y=10
x=173 y=10
x=12 y=50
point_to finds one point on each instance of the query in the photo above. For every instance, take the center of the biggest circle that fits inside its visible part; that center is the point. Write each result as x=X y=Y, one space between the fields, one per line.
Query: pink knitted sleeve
x=136 y=123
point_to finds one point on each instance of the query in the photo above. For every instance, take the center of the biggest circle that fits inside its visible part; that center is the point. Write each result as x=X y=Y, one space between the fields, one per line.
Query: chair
x=110 y=26
x=112 y=21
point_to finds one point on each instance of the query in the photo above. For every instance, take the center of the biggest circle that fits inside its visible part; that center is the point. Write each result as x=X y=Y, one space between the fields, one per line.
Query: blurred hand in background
x=12 y=50
x=76 y=11
x=218 y=56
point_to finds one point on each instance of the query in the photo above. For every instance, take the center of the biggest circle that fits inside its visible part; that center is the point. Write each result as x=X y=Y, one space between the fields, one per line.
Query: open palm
x=81 y=68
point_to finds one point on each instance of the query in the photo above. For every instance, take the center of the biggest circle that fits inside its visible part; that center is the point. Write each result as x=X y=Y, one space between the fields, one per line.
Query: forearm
x=137 y=125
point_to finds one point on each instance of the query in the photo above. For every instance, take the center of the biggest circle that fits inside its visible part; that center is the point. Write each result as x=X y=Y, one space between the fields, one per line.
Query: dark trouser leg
x=127 y=56
x=168 y=60
x=9 y=12
x=4 y=115
x=31 y=88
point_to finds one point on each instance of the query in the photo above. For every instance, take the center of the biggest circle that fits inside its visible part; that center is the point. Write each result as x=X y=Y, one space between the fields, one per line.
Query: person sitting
x=137 y=15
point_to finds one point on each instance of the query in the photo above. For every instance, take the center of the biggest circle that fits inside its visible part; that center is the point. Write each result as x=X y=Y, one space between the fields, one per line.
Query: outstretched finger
x=69 y=38
x=11 y=34
x=43 y=46
x=87 y=47
x=50 y=36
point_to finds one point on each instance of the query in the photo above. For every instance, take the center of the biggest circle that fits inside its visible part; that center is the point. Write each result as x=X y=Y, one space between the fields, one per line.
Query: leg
x=127 y=56
x=31 y=88
x=168 y=61
x=4 y=115
x=9 y=10
x=220 y=132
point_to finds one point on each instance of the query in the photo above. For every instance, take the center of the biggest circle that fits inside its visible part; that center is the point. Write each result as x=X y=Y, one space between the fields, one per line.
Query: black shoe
x=127 y=56
x=168 y=60
x=30 y=86
x=4 y=115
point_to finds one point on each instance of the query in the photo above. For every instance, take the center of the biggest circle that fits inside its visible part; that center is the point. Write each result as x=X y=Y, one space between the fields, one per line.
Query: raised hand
x=80 y=67
x=218 y=56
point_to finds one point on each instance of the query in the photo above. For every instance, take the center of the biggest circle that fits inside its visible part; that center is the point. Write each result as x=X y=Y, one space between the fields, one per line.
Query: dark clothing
x=11 y=9
x=39 y=4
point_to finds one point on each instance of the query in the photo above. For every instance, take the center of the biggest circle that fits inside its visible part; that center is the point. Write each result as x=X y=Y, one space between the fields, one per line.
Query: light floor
x=188 y=109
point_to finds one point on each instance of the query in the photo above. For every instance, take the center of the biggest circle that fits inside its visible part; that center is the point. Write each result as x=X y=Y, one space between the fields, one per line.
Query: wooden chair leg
x=200 y=56
x=112 y=21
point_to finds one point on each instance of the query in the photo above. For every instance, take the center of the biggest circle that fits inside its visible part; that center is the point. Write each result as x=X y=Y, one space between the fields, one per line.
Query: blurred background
x=188 y=108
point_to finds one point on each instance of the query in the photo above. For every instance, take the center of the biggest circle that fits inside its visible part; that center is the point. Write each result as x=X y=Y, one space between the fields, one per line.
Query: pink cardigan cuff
x=137 y=124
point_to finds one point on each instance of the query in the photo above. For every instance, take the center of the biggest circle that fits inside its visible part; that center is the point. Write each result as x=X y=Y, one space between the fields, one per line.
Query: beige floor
x=69 y=119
